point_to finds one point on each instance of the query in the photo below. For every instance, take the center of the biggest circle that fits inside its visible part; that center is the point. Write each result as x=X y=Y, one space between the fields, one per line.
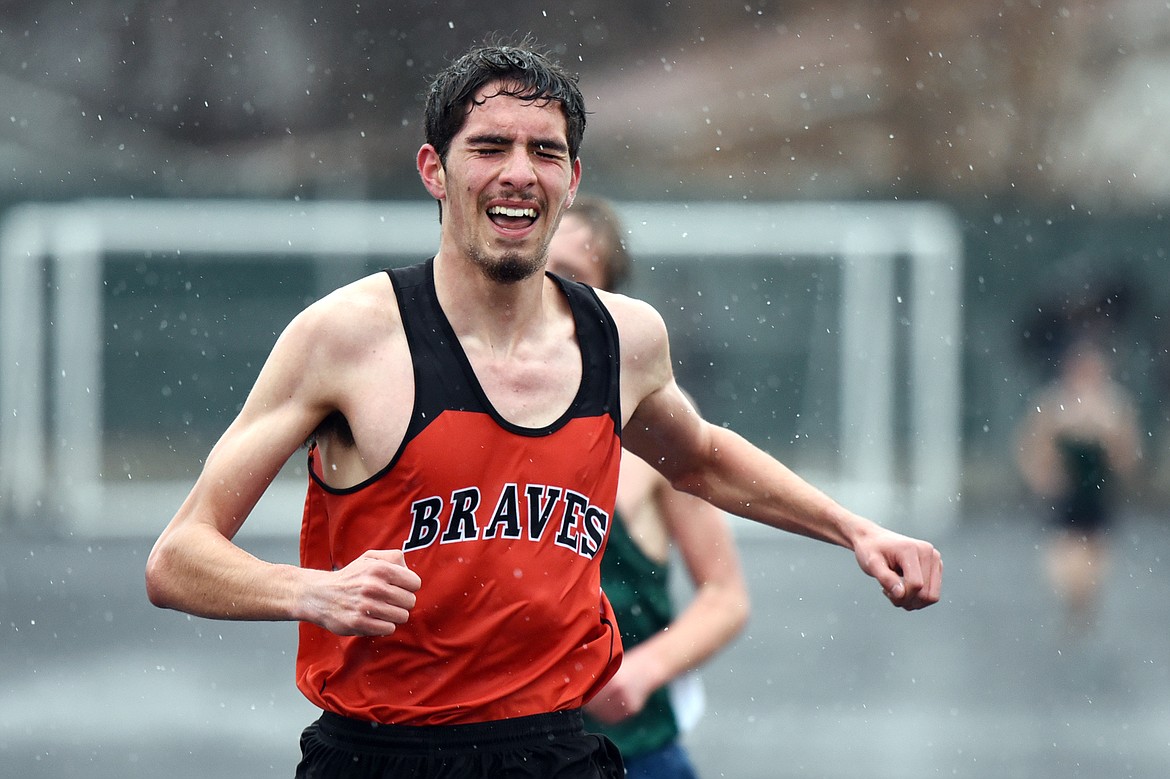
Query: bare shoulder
x=352 y=365
x=645 y=347
x=658 y=419
x=349 y=319
x=367 y=302
x=331 y=346
x=636 y=319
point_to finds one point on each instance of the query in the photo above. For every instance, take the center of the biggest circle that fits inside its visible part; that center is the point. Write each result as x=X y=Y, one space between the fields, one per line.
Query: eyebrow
x=486 y=139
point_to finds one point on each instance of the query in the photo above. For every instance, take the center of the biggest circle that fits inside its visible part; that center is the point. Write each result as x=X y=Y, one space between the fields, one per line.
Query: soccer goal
x=130 y=332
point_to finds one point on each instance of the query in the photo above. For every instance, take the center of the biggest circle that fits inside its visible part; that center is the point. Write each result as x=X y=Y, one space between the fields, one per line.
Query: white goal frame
x=71 y=239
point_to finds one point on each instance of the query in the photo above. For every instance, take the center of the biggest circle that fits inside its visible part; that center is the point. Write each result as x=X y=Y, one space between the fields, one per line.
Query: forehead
x=572 y=252
x=573 y=230
x=499 y=114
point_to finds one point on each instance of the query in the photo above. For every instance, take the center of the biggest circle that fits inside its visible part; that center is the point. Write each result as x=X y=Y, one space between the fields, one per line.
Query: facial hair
x=511 y=268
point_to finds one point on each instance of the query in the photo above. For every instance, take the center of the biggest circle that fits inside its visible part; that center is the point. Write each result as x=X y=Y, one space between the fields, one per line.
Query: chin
x=510 y=268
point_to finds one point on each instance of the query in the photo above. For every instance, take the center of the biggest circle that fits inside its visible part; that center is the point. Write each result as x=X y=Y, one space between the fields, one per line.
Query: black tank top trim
x=444 y=379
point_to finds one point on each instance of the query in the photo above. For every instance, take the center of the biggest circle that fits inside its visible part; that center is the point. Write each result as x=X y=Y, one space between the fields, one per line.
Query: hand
x=624 y=695
x=909 y=570
x=371 y=596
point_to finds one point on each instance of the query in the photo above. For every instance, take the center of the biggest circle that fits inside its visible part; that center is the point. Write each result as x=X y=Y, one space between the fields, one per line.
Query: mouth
x=512 y=217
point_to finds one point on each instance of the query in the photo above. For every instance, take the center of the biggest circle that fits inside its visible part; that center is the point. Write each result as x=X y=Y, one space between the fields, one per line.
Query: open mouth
x=512 y=217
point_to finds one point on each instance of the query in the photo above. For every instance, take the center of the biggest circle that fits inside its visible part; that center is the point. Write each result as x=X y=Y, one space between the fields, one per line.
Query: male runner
x=468 y=416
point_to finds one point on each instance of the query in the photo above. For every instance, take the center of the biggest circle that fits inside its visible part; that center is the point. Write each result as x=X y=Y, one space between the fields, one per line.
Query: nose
x=518 y=171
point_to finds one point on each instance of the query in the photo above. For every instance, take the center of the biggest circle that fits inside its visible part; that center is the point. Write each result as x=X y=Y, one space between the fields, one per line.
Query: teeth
x=505 y=211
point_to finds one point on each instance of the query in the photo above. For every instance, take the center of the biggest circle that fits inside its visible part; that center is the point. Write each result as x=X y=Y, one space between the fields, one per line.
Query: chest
x=532 y=385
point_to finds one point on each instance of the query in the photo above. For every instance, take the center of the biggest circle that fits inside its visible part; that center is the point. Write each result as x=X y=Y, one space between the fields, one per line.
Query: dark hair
x=527 y=73
x=609 y=235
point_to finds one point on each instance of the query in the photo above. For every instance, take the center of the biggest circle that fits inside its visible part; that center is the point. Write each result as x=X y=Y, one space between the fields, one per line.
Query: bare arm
x=1123 y=438
x=1036 y=454
x=723 y=468
x=195 y=567
x=716 y=613
x=719 y=608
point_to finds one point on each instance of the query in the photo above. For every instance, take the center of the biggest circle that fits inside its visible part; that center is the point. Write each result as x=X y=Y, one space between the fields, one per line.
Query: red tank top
x=504 y=525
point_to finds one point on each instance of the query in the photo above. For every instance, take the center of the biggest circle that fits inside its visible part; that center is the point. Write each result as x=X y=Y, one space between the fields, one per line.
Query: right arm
x=1036 y=453
x=195 y=567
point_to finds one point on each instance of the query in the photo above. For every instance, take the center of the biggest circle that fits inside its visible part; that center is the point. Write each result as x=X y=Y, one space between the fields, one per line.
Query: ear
x=431 y=171
x=574 y=182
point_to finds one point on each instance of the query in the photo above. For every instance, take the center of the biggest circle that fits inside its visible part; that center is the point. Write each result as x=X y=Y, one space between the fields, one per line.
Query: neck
x=499 y=314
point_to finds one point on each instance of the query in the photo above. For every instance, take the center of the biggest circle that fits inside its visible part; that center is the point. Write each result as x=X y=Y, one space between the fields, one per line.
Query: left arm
x=726 y=470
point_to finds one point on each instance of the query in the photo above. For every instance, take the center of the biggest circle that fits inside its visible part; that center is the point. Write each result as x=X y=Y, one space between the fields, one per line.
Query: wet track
x=827 y=681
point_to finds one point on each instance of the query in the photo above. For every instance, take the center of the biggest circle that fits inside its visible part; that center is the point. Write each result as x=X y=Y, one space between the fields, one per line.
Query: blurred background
x=1041 y=131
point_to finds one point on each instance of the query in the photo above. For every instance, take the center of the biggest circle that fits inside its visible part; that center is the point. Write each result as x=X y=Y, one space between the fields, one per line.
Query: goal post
x=908 y=474
x=894 y=320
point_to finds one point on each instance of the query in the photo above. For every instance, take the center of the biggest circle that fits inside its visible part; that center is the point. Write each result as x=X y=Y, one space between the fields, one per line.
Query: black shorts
x=542 y=746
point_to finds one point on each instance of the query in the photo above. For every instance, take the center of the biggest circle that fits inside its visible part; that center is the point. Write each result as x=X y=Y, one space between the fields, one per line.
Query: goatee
x=509 y=269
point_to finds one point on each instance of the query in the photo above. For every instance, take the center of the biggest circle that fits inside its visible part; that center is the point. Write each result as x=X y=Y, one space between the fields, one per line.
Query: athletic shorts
x=542 y=746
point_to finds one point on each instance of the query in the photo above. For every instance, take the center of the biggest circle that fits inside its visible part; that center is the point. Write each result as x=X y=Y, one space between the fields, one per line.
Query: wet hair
x=525 y=71
x=606 y=227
